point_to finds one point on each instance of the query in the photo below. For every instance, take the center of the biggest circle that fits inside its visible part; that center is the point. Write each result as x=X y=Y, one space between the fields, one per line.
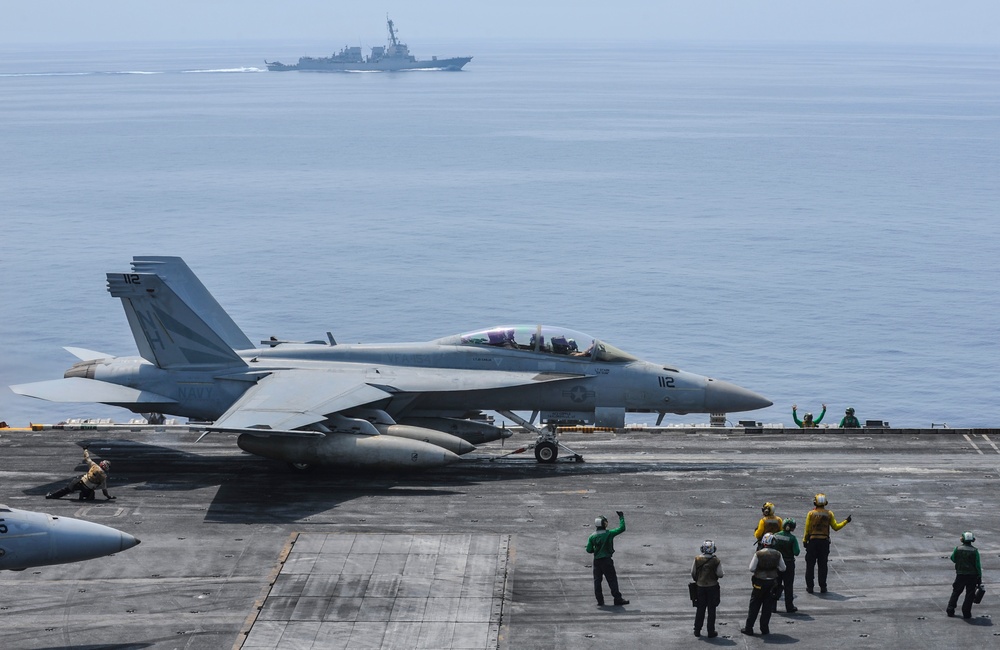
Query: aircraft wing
x=78 y=389
x=289 y=399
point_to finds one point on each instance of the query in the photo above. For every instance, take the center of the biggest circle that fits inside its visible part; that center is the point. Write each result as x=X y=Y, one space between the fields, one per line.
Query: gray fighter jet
x=395 y=405
x=32 y=539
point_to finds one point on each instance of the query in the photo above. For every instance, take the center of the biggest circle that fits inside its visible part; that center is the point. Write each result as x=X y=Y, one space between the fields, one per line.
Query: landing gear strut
x=547 y=444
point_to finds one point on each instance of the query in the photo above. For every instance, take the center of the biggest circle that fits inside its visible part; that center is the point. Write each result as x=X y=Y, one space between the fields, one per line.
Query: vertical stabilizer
x=176 y=274
x=167 y=330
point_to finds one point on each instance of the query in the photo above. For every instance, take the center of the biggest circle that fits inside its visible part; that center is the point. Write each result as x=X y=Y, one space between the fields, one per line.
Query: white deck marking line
x=980 y=451
x=992 y=444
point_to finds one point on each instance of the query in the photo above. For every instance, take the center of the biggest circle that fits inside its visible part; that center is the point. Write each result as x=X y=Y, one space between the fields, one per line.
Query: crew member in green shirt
x=849 y=421
x=602 y=545
x=807 y=422
x=968 y=574
x=786 y=544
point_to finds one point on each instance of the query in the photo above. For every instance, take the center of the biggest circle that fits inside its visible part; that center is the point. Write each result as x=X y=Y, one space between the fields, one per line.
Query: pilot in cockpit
x=560 y=345
x=501 y=338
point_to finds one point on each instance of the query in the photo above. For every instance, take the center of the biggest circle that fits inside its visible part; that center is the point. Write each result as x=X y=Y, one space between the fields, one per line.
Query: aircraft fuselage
x=584 y=385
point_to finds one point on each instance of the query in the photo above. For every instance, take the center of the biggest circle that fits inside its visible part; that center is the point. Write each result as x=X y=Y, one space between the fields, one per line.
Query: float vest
x=705 y=569
x=965 y=560
x=767 y=564
x=819 y=524
x=95 y=478
x=783 y=544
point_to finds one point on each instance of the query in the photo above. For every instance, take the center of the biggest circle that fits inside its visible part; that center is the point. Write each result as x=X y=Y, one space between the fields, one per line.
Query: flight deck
x=242 y=552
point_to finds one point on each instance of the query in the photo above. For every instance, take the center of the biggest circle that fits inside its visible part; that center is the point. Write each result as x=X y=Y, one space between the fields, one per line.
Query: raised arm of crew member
x=821 y=414
x=837 y=525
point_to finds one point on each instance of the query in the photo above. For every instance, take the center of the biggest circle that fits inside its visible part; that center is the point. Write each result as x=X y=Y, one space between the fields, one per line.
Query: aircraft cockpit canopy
x=543 y=339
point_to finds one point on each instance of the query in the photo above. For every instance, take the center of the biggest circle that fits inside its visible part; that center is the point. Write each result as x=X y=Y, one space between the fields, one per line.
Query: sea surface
x=820 y=224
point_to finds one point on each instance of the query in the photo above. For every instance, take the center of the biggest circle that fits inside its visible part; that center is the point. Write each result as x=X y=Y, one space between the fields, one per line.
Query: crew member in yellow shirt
x=769 y=523
x=816 y=539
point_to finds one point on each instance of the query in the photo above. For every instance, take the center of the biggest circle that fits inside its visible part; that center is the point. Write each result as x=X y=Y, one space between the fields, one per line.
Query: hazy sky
x=973 y=22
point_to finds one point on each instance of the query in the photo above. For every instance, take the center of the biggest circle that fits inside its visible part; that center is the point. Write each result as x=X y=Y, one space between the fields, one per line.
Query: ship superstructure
x=393 y=56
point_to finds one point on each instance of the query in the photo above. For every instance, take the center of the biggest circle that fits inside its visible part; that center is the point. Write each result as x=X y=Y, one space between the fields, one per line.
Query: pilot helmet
x=767 y=509
x=708 y=547
x=105 y=465
x=820 y=500
x=968 y=537
x=601 y=522
x=767 y=540
x=789 y=524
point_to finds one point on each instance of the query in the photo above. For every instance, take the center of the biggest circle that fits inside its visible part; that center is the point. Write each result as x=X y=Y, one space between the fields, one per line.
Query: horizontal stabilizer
x=78 y=389
x=290 y=399
x=83 y=354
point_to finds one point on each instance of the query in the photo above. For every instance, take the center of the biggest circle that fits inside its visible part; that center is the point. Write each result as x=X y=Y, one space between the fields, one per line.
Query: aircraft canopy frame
x=543 y=339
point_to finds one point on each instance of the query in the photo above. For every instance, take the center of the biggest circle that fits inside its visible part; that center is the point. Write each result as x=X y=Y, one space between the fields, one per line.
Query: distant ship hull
x=383 y=65
x=394 y=56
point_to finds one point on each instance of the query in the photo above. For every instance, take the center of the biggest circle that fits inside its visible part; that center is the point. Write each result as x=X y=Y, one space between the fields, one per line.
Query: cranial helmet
x=105 y=465
x=601 y=522
x=708 y=547
x=850 y=410
x=767 y=509
x=789 y=524
x=820 y=500
x=767 y=539
x=968 y=538
x=809 y=416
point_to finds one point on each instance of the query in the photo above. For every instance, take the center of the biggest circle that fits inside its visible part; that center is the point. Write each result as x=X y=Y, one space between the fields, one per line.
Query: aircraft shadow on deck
x=257 y=490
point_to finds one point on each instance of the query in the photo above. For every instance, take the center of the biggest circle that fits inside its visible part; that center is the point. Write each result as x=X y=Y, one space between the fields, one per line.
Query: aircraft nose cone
x=128 y=541
x=724 y=397
x=464 y=447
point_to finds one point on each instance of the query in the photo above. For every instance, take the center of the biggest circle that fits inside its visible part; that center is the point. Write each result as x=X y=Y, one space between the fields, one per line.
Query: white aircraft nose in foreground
x=32 y=539
x=393 y=405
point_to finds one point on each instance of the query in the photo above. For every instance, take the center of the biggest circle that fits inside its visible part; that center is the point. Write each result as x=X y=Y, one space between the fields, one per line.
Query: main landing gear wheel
x=546 y=452
x=300 y=467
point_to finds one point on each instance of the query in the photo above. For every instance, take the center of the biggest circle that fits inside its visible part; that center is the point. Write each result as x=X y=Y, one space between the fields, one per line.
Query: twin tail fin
x=169 y=330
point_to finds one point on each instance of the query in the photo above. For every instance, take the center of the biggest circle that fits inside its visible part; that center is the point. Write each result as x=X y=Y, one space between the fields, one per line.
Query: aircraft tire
x=301 y=467
x=546 y=452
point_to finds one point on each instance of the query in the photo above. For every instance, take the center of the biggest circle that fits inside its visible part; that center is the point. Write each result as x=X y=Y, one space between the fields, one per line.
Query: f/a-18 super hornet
x=393 y=405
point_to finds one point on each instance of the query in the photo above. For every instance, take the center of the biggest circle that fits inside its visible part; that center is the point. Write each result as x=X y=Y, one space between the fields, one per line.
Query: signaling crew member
x=968 y=574
x=95 y=478
x=706 y=571
x=769 y=523
x=786 y=544
x=816 y=539
x=602 y=545
x=765 y=566
x=807 y=422
x=849 y=421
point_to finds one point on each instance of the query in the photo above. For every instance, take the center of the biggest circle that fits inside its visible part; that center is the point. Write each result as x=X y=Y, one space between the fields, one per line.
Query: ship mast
x=392 y=33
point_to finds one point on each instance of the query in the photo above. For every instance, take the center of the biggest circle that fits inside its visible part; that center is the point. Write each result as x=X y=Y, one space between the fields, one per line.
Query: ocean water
x=819 y=224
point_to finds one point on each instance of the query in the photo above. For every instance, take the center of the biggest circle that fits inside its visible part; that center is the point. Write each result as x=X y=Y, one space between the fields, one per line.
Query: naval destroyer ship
x=384 y=58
